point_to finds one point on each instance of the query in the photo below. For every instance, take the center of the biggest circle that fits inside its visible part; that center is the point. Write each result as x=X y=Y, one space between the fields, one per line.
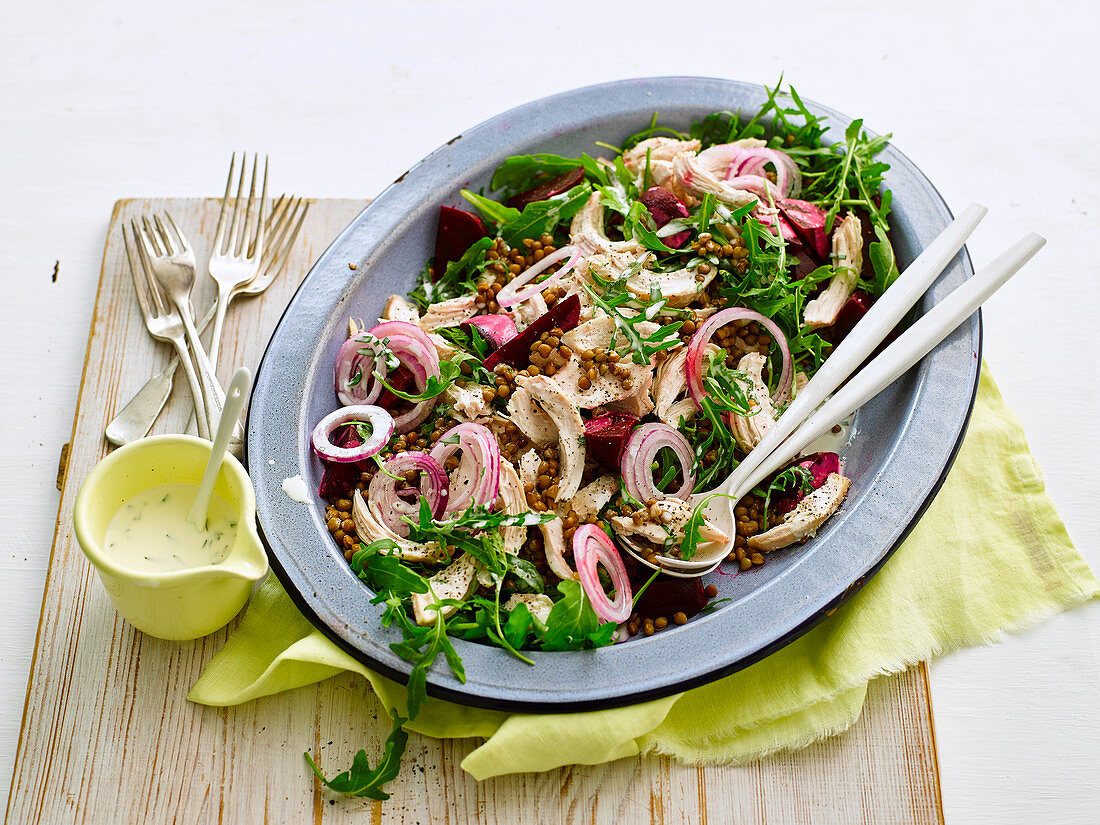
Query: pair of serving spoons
x=821 y=405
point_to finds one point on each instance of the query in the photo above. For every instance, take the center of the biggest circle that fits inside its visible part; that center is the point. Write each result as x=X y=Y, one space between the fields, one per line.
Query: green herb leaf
x=363 y=780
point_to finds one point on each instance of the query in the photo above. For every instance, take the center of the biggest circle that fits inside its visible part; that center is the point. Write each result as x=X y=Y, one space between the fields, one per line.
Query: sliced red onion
x=388 y=329
x=591 y=547
x=752 y=162
x=415 y=350
x=391 y=507
x=641 y=450
x=481 y=459
x=381 y=430
x=698 y=347
x=511 y=294
x=355 y=358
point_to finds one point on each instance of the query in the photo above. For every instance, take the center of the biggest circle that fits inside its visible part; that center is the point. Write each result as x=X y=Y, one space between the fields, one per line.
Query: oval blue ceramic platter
x=905 y=439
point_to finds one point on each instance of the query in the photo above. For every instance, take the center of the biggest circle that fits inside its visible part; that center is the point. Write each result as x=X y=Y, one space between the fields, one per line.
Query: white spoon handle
x=880 y=319
x=910 y=347
x=234 y=402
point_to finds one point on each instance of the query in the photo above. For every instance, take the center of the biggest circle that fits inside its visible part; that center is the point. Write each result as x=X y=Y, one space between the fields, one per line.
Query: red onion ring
x=479 y=446
x=351 y=362
x=637 y=462
x=381 y=430
x=591 y=546
x=698 y=347
x=415 y=350
x=391 y=508
x=390 y=328
x=751 y=162
x=510 y=295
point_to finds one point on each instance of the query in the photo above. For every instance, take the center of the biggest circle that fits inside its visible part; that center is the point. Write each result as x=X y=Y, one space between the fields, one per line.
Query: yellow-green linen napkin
x=989 y=555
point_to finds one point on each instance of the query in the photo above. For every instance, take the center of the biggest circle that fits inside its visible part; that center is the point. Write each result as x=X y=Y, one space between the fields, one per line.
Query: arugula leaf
x=573 y=624
x=496 y=212
x=794 y=476
x=457 y=279
x=363 y=780
x=384 y=572
x=543 y=216
x=521 y=172
x=449 y=371
x=519 y=625
x=612 y=297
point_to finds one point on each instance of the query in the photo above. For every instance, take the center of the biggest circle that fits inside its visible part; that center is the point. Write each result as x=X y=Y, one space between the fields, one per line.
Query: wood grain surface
x=108 y=737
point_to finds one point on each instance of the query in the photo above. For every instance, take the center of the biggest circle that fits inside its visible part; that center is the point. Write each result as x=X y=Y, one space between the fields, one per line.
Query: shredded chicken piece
x=539 y=604
x=661 y=531
x=443 y=347
x=657 y=149
x=749 y=429
x=586 y=232
x=591 y=498
x=804 y=520
x=641 y=402
x=455 y=581
x=705 y=173
x=530 y=418
x=398 y=309
x=678 y=288
x=370 y=528
x=606 y=389
x=567 y=420
x=553 y=540
x=449 y=313
x=468 y=403
x=513 y=502
x=671 y=383
x=800 y=382
x=848 y=261
x=528 y=312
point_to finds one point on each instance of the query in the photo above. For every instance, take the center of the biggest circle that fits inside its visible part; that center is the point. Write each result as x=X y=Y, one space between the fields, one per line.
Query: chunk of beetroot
x=517 y=353
x=399 y=379
x=820 y=466
x=850 y=314
x=497 y=330
x=807 y=222
x=337 y=478
x=456 y=232
x=554 y=186
x=667 y=597
x=605 y=438
x=665 y=207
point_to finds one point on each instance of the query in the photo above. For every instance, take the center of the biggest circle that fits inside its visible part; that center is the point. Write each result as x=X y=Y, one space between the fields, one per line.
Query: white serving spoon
x=879 y=321
x=912 y=345
x=235 y=396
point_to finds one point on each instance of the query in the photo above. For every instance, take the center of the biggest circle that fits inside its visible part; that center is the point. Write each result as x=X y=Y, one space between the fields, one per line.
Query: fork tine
x=219 y=233
x=139 y=281
x=258 y=241
x=184 y=244
x=275 y=215
x=143 y=236
x=151 y=242
x=284 y=251
x=277 y=229
x=278 y=233
x=164 y=237
x=235 y=225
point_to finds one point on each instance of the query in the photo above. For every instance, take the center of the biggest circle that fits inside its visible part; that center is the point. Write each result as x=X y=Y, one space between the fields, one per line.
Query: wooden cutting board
x=108 y=736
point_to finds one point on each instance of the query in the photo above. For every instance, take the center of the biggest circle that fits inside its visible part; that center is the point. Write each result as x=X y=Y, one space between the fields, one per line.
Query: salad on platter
x=595 y=341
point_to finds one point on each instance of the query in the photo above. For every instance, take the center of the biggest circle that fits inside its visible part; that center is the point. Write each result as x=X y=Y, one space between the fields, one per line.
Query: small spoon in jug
x=235 y=395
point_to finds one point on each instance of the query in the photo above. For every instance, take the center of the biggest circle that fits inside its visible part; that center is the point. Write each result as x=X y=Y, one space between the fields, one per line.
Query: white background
x=995 y=101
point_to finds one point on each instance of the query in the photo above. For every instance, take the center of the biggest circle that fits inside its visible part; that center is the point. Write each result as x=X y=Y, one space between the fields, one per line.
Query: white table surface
x=995 y=101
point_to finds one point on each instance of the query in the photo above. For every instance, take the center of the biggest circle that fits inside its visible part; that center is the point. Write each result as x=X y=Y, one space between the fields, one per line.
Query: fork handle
x=196 y=388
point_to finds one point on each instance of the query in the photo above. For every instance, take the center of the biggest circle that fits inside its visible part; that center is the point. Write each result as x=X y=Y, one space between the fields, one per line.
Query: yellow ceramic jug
x=177 y=604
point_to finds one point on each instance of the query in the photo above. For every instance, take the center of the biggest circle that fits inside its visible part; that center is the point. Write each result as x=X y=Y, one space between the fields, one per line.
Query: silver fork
x=163 y=323
x=136 y=418
x=172 y=260
x=238 y=244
